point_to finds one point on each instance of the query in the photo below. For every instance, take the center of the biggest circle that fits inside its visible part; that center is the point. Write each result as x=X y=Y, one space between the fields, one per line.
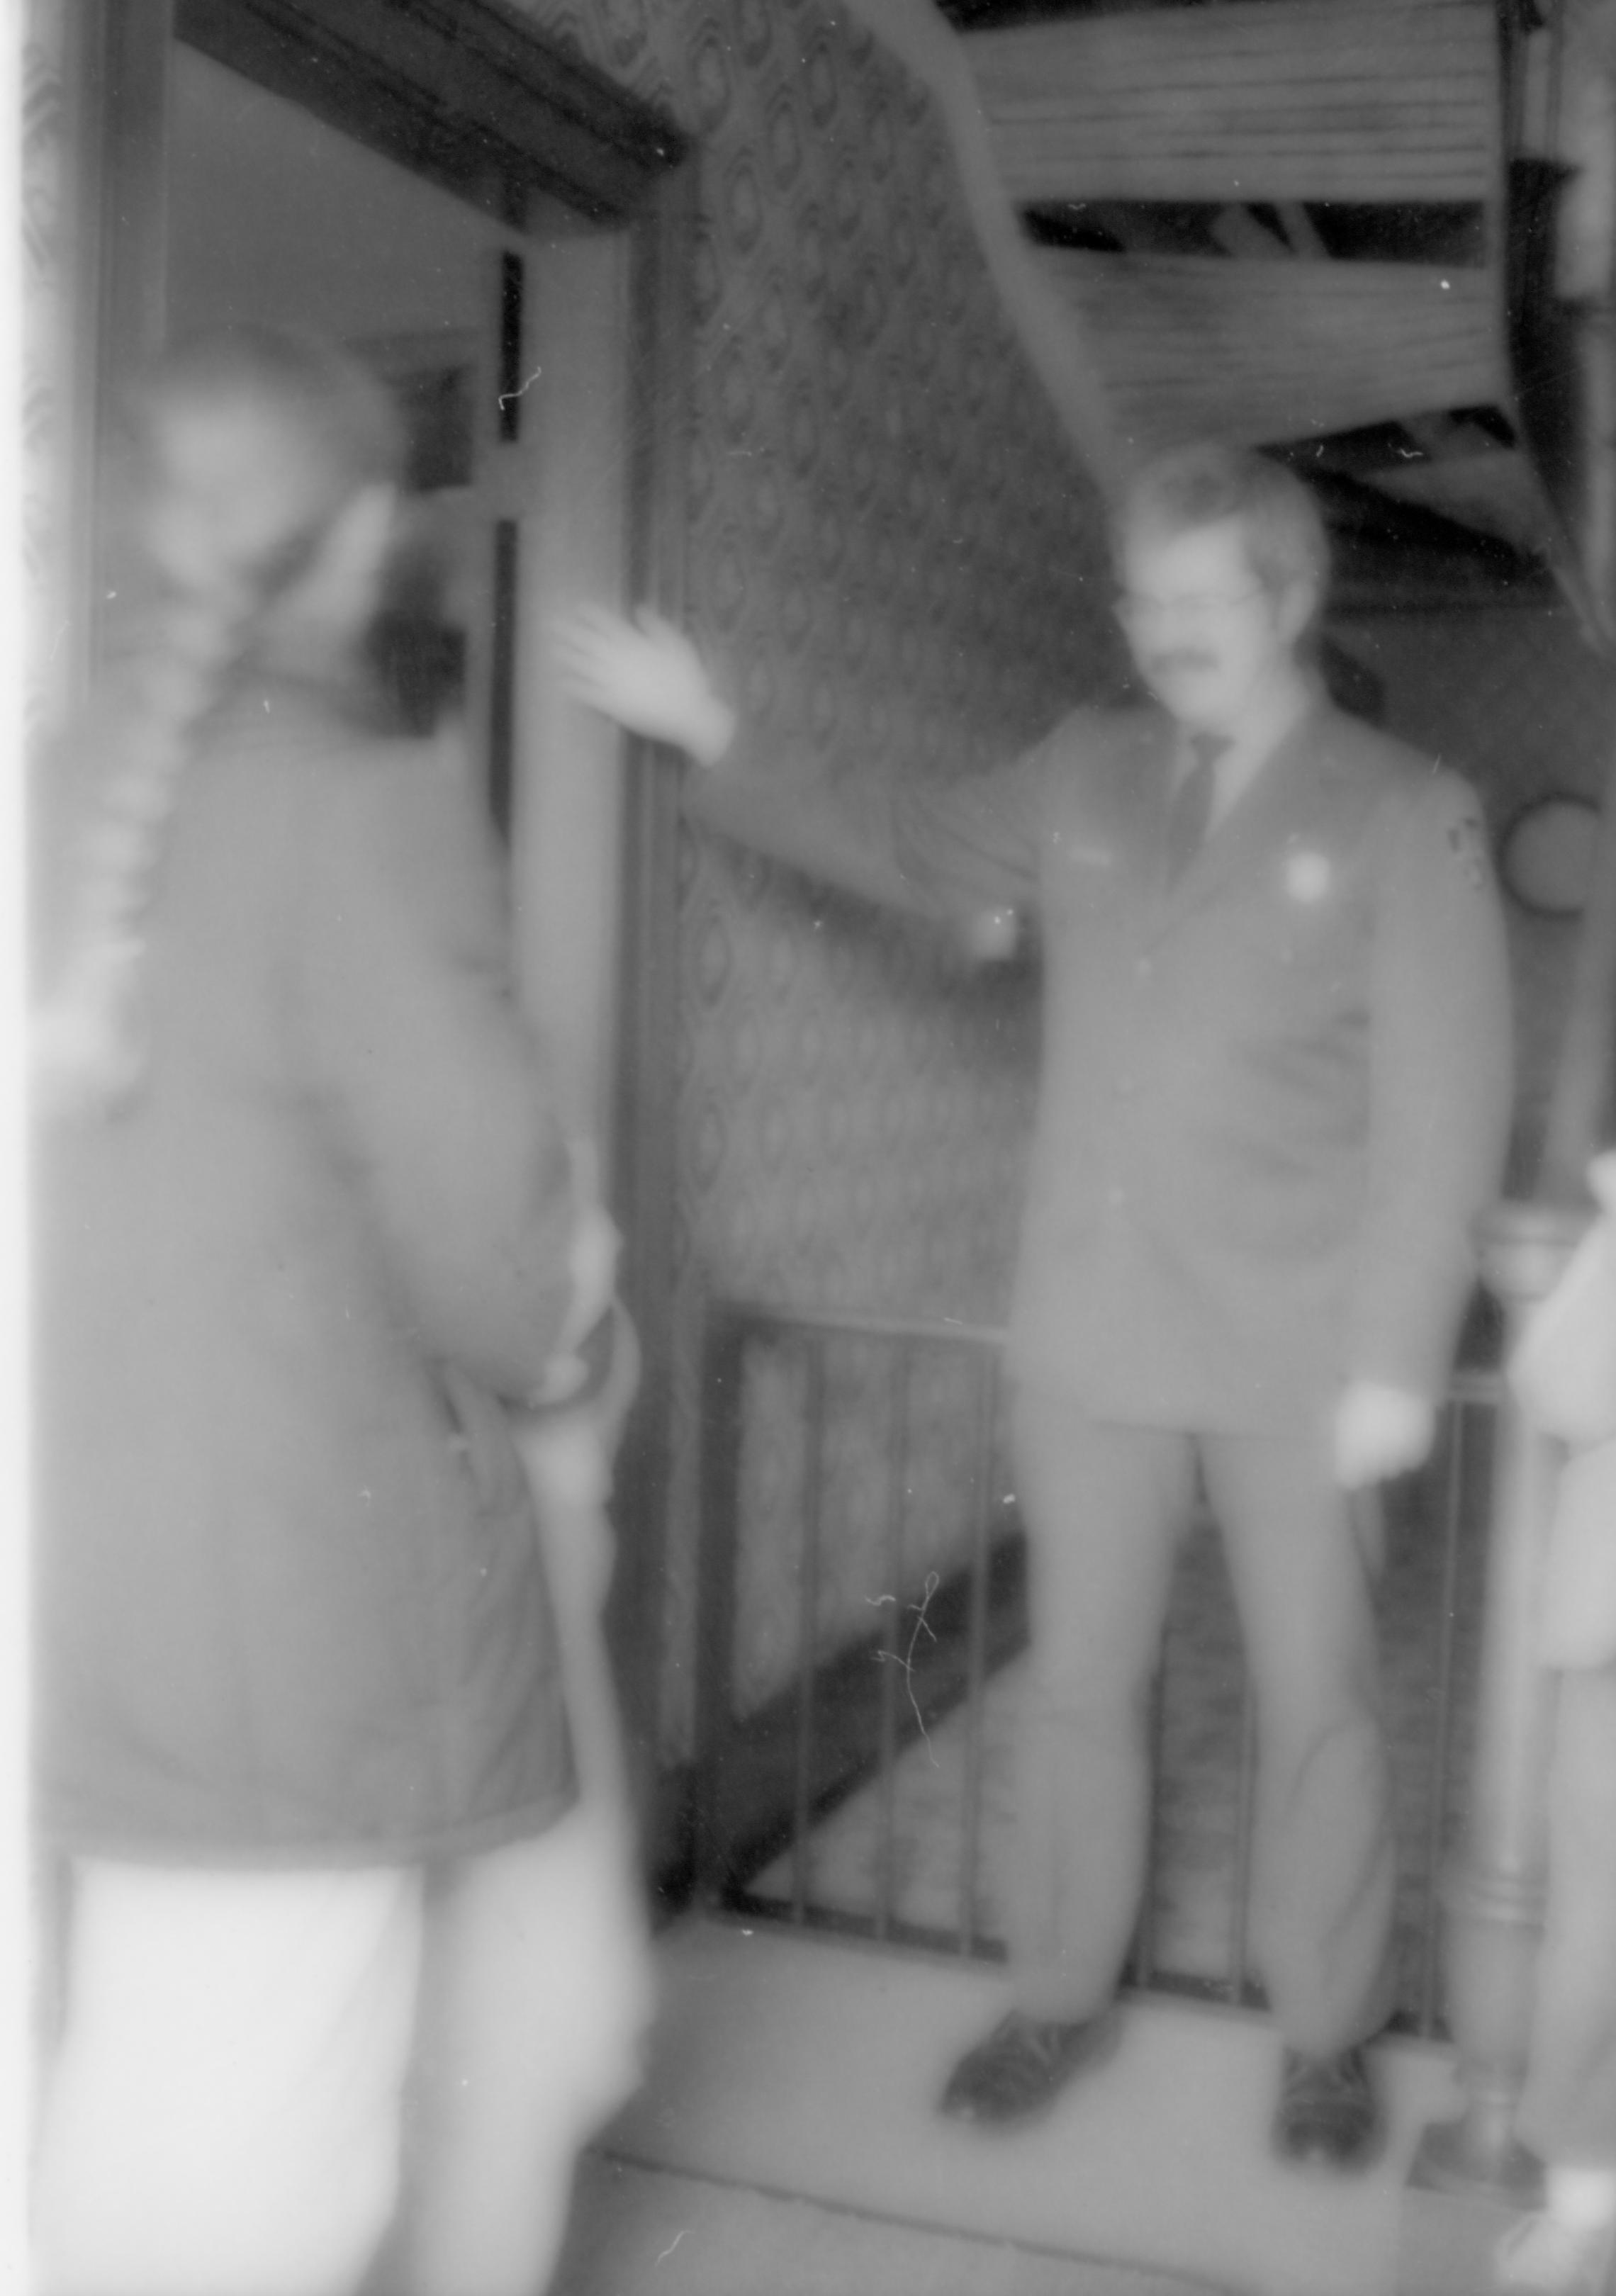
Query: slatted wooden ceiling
x=1310 y=100
x=1270 y=119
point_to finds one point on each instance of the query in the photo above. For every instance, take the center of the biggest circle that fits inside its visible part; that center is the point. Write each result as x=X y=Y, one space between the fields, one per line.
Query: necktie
x=1192 y=808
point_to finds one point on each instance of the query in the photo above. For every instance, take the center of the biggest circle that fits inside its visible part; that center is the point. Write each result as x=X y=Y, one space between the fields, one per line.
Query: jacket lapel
x=1142 y=799
x=1256 y=825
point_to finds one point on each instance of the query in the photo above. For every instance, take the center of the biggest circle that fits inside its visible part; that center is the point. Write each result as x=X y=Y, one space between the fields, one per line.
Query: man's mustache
x=1163 y=665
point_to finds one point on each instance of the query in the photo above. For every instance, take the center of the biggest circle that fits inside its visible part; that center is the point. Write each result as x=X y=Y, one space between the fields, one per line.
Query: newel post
x=1492 y=1893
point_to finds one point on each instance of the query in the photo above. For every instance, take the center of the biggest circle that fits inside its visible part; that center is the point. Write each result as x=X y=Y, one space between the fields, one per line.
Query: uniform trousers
x=302 y=2084
x=1105 y=1505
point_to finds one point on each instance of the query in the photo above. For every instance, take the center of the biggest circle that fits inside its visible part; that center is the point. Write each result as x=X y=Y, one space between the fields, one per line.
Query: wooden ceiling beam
x=468 y=94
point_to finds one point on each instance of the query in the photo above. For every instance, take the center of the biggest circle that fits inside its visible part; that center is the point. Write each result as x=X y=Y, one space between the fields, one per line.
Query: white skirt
x=264 y=2076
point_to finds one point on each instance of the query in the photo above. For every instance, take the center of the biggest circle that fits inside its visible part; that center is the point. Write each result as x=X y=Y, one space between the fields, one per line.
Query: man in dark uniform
x=1276 y=1094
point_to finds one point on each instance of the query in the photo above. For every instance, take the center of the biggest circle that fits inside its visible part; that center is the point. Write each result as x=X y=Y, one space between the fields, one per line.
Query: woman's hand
x=646 y=675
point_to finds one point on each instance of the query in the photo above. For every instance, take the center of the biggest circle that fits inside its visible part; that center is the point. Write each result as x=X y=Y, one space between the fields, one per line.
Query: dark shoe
x=1328 y=2115
x=1022 y=2066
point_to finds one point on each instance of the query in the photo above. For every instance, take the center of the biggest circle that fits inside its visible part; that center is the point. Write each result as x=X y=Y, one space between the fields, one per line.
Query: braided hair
x=223 y=535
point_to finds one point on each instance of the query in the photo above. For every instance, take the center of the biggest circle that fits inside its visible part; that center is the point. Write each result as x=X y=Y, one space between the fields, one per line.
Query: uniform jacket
x=1274 y=1095
x=291 y=1605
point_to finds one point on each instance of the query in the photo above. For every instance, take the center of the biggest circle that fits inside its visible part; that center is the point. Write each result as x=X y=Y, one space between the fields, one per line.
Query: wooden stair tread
x=1266 y=351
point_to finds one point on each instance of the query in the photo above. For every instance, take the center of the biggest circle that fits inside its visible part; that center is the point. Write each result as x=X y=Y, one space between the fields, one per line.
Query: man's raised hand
x=646 y=675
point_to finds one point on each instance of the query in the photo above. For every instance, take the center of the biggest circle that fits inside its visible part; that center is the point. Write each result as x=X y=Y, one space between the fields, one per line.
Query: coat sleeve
x=1564 y=1368
x=1441 y=1083
x=435 y=1088
x=947 y=852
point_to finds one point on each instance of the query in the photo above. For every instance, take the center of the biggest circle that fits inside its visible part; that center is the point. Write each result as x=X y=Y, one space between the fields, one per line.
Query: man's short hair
x=1206 y=483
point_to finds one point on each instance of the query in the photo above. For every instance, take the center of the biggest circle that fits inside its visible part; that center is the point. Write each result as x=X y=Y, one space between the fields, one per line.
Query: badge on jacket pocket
x=1309 y=876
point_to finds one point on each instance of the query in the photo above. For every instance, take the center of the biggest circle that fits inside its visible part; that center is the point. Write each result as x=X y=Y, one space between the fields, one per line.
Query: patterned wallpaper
x=897 y=565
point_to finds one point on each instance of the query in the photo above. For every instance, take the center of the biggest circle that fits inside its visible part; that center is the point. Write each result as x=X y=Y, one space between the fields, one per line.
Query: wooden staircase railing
x=1472 y=2174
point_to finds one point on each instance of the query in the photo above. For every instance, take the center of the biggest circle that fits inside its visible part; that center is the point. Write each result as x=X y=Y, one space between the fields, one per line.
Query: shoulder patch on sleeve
x=1467 y=843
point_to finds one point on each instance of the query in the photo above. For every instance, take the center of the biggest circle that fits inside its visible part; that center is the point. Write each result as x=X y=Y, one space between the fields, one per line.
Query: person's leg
x=1324 y=1857
x=1104 y=1508
x=536 y=2002
x=1568 y=2109
x=1324 y=1880
x=221 y=2111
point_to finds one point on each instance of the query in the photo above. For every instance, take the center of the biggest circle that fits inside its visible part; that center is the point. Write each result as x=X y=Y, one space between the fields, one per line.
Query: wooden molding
x=459 y=91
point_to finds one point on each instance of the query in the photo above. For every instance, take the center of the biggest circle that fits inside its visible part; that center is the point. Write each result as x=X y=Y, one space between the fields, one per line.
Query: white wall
x=277 y=218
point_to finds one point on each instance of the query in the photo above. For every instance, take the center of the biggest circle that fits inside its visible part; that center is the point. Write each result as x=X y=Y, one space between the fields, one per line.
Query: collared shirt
x=1243 y=760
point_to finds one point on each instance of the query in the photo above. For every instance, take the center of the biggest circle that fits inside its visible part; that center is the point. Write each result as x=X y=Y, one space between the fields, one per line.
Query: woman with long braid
x=344 y=1979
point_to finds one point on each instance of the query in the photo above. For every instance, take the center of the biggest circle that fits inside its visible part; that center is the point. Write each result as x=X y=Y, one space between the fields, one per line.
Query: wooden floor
x=796 y=2068
x=650 y=2231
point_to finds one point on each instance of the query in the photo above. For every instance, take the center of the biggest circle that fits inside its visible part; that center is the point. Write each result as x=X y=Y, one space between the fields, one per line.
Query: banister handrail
x=1580 y=1101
